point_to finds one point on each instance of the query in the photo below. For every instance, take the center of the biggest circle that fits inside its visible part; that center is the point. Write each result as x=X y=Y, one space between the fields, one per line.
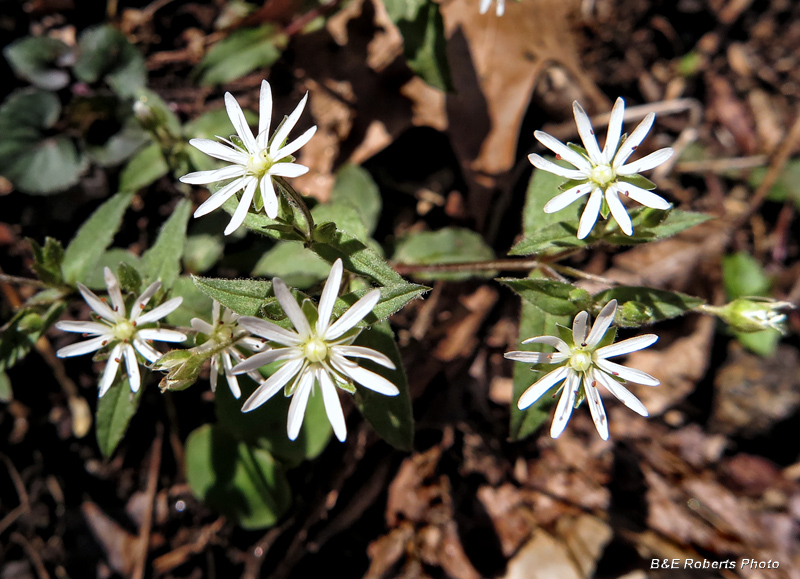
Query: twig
x=468 y=266
x=298 y=24
x=4 y=277
x=32 y=553
x=147 y=518
x=721 y=165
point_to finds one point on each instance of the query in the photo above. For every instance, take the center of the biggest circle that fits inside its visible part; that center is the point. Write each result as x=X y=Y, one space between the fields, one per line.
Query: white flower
x=317 y=352
x=602 y=172
x=222 y=329
x=126 y=334
x=583 y=364
x=486 y=4
x=254 y=162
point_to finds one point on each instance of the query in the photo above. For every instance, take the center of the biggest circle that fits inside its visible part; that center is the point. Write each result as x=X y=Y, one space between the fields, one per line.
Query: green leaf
x=424 y=41
x=393 y=298
x=554 y=237
x=144 y=168
x=106 y=54
x=36 y=59
x=647 y=305
x=22 y=331
x=639 y=181
x=242 y=52
x=354 y=185
x=246 y=297
x=390 y=416
x=265 y=426
x=111 y=259
x=542 y=187
x=763 y=343
x=114 y=412
x=6 y=393
x=163 y=260
x=195 y=303
x=787 y=186
x=448 y=245
x=203 y=251
x=553 y=297
x=743 y=276
x=94 y=236
x=344 y=216
x=356 y=257
x=263 y=225
x=297 y=266
x=47 y=261
x=237 y=479
x=120 y=146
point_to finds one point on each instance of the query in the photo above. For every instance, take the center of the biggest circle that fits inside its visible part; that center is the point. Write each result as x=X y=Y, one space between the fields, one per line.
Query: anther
x=615 y=373
x=634 y=148
x=558 y=157
x=591 y=132
x=133 y=323
x=117 y=360
x=583 y=344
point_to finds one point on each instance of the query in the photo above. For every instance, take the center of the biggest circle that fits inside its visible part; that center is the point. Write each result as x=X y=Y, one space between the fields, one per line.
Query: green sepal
x=129 y=278
x=639 y=181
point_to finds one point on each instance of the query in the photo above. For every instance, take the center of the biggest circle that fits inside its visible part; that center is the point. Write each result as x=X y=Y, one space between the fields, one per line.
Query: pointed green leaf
x=357 y=258
x=354 y=185
x=244 y=51
x=424 y=41
x=163 y=260
x=145 y=168
x=114 y=412
x=649 y=305
x=448 y=245
x=111 y=259
x=393 y=299
x=297 y=266
x=246 y=297
x=106 y=54
x=554 y=297
x=237 y=479
x=94 y=236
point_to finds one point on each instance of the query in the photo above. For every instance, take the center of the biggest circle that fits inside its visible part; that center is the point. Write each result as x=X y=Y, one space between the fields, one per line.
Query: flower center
x=259 y=163
x=124 y=330
x=580 y=361
x=315 y=350
x=603 y=175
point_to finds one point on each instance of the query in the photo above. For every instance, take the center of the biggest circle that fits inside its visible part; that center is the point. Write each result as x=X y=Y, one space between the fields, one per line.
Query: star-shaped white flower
x=223 y=328
x=583 y=364
x=602 y=173
x=486 y=4
x=317 y=352
x=254 y=163
x=125 y=334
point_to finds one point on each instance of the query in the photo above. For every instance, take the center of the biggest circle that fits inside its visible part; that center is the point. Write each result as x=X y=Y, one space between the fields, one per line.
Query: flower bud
x=754 y=314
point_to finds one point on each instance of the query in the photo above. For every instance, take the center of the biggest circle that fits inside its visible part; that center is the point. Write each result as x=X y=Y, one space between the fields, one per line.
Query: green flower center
x=315 y=350
x=124 y=331
x=603 y=175
x=580 y=361
x=259 y=163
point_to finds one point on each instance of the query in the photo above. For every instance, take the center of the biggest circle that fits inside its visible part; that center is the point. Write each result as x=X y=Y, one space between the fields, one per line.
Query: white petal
x=84 y=347
x=579 y=328
x=269 y=197
x=333 y=406
x=114 y=292
x=150 y=354
x=354 y=315
x=218 y=198
x=215 y=307
x=501 y=7
x=365 y=377
x=620 y=393
x=219 y=151
x=140 y=303
x=618 y=210
x=563 y=151
x=161 y=311
x=161 y=335
x=590 y=213
x=633 y=141
x=236 y=116
x=83 y=327
x=243 y=207
x=557 y=343
x=646 y=198
x=586 y=131
x=550 y=167
x=213 y=375
x=292 y=309
x=99 y=306
x=233 y=383
x=542 y=385
x=565 y=404
x=297 y=408
x=602 y=323
x=132 y=367
x=646 y=163
x=264 y=114
x=629 y=374
x=568 y=197
x=535 y=357
x=206 y=177
x=614 y=130
x=110 y=371
x=328 y=297
x=270 y=331
x=295 y=145
x=366 y=353
x=290 y=170
x=596 y=407
x=201 y=326
x=485 y=4
x=627 y=346
x=272 y=385
x=262 y=359
x=286 y=128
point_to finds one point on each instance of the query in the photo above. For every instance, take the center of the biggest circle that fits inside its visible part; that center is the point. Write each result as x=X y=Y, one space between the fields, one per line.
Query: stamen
x=591 y=132
x=558 y=157
x=634 y=148
x=117 y=360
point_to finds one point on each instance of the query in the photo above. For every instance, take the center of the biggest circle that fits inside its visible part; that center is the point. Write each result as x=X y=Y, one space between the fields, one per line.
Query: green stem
x=296 y=200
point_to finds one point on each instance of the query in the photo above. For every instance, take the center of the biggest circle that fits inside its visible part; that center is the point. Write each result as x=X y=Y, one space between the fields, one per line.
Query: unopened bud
x=754 y=314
